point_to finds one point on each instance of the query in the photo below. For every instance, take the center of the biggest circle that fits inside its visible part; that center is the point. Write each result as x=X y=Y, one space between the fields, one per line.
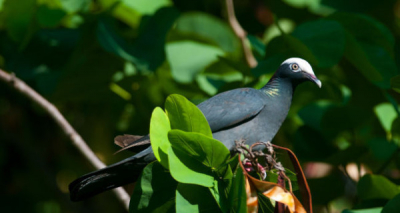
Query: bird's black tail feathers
x=110 y=177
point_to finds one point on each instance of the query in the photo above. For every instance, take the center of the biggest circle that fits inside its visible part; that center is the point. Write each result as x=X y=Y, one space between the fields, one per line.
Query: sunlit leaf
x=159 y=128
x=185 y=116
x=386 y=115
x=188 y=58
x=207 y=29
x=146 y=7
x=205 y=150
x=186 y=169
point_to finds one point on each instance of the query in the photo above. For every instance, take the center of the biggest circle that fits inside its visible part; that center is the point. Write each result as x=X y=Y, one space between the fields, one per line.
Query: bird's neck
x=279 y=87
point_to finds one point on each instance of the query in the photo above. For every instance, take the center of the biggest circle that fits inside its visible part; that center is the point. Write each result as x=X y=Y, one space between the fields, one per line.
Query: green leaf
x=220 y=190
x=185 y=116
x=194 y=198
x=369 y=47
x=159 y=128
x=386 y=114
x=371 y=210
x=205 y=150
x=49 y=17
x=147 y=51
x=17 y=19
x=146 y=7
x=376 y=187
x=237 y=194
x=155 y=191
x=207 y=29
x=185 y=169
x=264 y=204
x=393 y=205
x=326 y=42
x=365 y=29
x=188 y=58
x=312 y=114
x=218 y=75
x=381 y=148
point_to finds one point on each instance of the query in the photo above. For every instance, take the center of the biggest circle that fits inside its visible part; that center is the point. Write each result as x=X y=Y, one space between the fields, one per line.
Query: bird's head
x=297 y=70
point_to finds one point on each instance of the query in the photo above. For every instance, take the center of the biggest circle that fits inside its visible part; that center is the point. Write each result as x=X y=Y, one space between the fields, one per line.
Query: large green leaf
x=185 y=116
x=205 y=150
x=237 y=194
x=376 y=187
x=324 y=38
x=393 y=205
x=186 y=169
x=194 y=198
x=188 y=58
x=209 y=30
x=155 y=191
x=159 y=128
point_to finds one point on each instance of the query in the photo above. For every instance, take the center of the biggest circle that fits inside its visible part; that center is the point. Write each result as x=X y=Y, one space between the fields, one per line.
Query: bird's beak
x=317 y=82
x=314 y=79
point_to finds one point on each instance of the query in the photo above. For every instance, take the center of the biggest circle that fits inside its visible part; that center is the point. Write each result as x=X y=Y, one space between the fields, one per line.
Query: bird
x=248 y=114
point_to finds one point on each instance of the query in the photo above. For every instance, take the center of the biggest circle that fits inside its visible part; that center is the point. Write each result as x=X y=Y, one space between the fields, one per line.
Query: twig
x=76 y=139
x=240 y=33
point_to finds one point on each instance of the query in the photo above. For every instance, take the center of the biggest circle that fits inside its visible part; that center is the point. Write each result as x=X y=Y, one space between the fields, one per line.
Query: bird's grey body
x=241 y=114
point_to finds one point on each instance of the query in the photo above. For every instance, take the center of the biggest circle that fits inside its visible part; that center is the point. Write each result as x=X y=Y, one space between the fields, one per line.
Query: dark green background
x=106 y=64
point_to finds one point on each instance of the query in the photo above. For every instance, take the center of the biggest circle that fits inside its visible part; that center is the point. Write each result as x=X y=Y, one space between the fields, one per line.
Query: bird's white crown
x=303 y=64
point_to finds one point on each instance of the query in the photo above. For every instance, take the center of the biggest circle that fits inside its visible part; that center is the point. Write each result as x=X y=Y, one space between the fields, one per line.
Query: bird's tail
x=118 y=174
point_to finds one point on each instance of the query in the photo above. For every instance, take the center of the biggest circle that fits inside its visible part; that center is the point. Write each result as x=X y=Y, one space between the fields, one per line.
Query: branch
x=76 y=139
x=240 y=33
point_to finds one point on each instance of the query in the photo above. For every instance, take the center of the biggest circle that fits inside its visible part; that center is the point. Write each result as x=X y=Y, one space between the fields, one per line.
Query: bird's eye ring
x=294 y=67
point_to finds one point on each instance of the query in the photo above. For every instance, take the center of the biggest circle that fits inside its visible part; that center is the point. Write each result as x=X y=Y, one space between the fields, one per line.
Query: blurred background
x=106 y=64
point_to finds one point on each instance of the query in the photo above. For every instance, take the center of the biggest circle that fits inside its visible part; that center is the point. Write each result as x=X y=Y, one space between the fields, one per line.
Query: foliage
x=196 y=163
x=107 y=64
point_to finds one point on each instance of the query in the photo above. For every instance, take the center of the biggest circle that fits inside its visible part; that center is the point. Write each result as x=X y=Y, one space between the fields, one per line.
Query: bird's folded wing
x=232 y=107
x=135 y=143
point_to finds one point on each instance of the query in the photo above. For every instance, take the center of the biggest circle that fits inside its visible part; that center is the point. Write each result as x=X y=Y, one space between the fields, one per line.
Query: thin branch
x=76 y=139
x=240 y=33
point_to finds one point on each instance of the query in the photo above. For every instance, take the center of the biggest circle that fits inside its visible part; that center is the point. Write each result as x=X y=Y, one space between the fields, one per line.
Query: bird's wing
x=134 y=143
x=232 y=107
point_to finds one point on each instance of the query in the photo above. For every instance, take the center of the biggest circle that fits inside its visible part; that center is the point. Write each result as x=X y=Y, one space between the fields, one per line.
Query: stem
x=240 y=33
x=76 y=139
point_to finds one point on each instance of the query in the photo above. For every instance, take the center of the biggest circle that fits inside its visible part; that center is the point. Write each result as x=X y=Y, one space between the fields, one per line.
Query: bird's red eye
x=295 y=66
